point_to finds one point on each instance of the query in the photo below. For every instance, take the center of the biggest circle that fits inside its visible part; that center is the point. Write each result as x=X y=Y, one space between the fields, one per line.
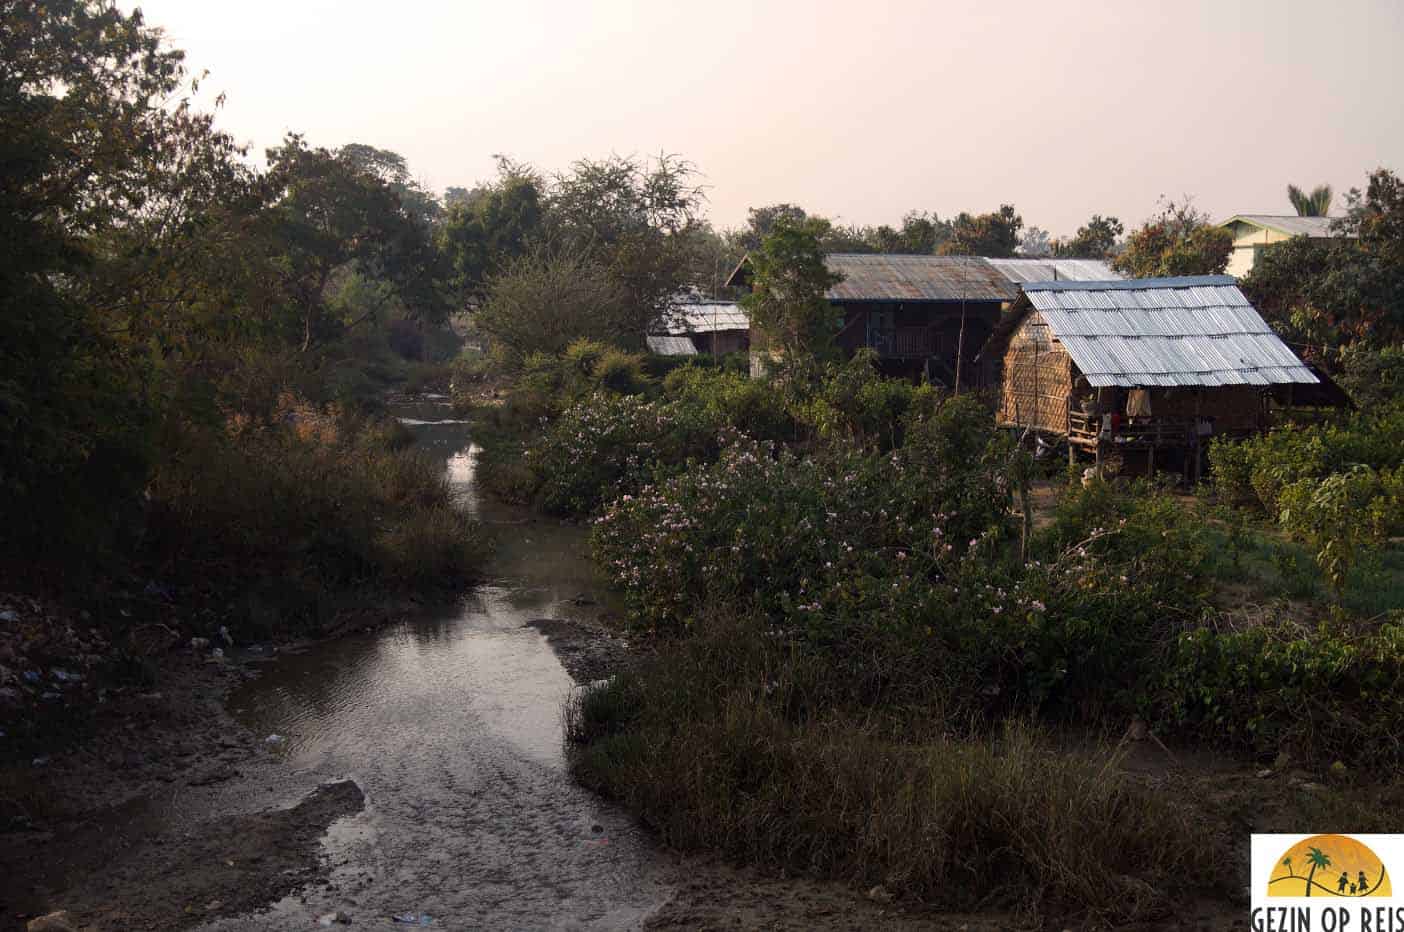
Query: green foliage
x=854 y=400
x=749 y=405
x=786 y=305
x=1344 y=515
x=317 y=501
x=729 y=742
x=1315 y=204
x=1344 y=291
x=543 y=302
x=492 y=225
x=1330 y=693
x=994 y=235
x=1179 y=240
x=1373 y=377
x=608 y=444
x=1095 y=239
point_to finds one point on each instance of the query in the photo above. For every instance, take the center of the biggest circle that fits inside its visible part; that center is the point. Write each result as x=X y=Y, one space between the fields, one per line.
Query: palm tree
x=1316 y=858
x=1315 y=204
x=1287 y=863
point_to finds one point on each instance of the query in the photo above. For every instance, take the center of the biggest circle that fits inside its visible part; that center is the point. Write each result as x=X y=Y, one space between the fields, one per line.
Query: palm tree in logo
x=1316 y=858
x=1287 y=863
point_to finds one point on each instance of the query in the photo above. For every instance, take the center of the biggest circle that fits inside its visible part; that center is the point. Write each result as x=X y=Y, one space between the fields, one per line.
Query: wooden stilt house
x=1144 y=364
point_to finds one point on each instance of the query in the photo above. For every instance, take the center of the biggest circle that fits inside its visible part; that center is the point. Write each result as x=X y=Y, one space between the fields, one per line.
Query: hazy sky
x=856 y=110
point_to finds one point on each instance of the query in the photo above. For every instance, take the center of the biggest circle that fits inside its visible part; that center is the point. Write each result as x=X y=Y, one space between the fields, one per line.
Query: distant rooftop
x=1288 y=224
x=916 y=278
x=690 y=314
x=1019 y=271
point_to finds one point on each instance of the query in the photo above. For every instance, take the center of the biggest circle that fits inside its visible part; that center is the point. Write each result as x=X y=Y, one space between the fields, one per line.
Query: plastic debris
x=53 y=922
x=413 y=919
x=337 y=918
x=63 y=676
x=9 y=616
x=217 y=653
x=32 y=676
x=225 y=636
x=274 y=739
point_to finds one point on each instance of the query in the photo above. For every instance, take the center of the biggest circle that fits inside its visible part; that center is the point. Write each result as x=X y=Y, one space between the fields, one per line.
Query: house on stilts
x=1145 y=365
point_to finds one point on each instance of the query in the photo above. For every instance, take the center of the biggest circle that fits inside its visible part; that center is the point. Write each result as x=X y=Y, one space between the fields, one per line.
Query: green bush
x=1328 y=694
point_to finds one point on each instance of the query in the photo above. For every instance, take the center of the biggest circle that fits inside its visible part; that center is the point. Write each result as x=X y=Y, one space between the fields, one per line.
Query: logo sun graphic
x=1329 y=865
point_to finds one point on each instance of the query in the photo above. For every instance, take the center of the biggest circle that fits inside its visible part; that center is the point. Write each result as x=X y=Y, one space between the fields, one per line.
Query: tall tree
x=786 y=305
x=636 y=217
x=1095 y=239
x=994 y=235
x=488 y=227
x=102 y=165
x=328 y=214
x=1315 y=204
x=1179 y=240
x=1343 y=292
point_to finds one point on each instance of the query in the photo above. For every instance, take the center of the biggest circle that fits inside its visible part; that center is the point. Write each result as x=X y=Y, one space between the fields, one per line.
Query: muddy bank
x=589 y=650
x=122 y=827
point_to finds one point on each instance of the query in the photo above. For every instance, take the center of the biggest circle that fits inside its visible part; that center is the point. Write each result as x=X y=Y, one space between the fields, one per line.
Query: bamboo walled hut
x=1142 y=364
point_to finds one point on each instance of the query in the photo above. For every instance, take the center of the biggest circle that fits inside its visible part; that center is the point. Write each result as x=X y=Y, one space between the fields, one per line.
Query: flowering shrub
x=819 y=543
x=609 y=443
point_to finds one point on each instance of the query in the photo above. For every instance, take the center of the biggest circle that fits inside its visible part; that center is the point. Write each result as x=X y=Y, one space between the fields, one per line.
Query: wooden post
x=1101 y=416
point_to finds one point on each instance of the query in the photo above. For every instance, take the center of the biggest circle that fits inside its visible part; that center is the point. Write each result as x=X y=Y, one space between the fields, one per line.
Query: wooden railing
x=912 y=342
x=1086 y=429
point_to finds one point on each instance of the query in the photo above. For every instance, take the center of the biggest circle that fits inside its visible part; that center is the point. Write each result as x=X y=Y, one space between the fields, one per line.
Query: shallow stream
x=451 y=725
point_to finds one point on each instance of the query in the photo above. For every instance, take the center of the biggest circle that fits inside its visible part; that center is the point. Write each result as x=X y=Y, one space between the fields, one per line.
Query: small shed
x=704 y=324
x=1145 y=363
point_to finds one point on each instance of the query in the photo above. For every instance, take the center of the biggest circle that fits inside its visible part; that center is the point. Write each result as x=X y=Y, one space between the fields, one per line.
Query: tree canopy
x=1179 y=240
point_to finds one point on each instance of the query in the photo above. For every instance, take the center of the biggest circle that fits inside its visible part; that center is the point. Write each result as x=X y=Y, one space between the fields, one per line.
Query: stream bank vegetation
x=194 y=354
x=894 y=649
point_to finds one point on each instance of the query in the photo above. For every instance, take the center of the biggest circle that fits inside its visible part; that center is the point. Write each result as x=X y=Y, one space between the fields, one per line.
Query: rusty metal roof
x=916 y=278
x=1050 y=269
x=1198 y=330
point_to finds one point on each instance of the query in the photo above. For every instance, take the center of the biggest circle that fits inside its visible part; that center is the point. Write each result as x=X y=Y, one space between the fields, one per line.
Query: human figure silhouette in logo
x=1363 y=884
x=1341 y=884
x=1352 y=889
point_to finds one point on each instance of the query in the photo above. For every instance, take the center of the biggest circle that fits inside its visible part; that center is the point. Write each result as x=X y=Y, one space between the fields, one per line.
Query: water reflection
x=451 y=725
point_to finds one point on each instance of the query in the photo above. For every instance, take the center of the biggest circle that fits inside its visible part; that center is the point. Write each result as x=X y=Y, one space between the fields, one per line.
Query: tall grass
x=306 y=506
x=713 y=745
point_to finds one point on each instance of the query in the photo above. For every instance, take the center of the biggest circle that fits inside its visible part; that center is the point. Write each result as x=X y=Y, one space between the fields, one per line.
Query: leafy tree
x=543 y=302
x=994 y=235
x=1180 y=240
x=1315 y=204
x=488 y=227
x=789 y=279
x=101 y=169
x=634 y=217
x=392 y=169
x=328 y=213
x=1096 y=239
x=1343 y=292
x=760 y=221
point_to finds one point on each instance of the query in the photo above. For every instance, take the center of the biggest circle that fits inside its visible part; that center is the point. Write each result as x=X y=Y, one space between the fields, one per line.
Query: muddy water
x=451 y=726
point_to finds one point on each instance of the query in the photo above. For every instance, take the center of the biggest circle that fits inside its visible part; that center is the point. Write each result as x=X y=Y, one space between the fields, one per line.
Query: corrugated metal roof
x=671 y=346
x=1043 y=270
x=1290 y=224
x=916 y=278
x=704 y=317
x=1165 y=332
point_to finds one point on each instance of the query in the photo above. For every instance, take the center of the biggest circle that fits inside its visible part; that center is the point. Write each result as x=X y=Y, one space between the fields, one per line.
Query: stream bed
x=451 y=726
